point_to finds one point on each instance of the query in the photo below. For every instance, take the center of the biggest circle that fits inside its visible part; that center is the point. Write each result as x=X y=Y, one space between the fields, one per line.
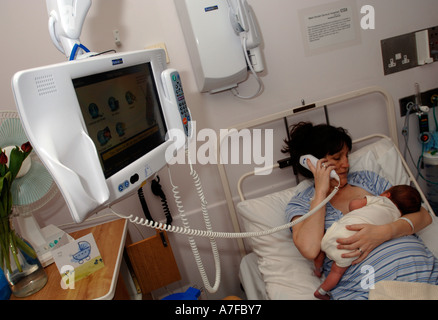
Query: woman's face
x=342 y=166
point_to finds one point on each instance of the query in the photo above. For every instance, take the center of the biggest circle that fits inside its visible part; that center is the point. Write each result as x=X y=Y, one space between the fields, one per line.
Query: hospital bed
x=271 y=266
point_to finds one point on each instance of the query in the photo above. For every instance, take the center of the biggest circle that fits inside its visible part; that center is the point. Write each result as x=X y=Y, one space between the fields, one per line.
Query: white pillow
x=286 y=273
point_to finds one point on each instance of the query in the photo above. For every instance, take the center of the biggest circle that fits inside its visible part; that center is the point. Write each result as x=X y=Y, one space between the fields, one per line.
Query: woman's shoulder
x=303 y=195
x=363 y=175
x=369 y=180
x=299 y=202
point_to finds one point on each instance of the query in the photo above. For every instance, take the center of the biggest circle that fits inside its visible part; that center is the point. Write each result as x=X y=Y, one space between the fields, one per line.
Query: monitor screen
x=101 y=126
x=122 y=113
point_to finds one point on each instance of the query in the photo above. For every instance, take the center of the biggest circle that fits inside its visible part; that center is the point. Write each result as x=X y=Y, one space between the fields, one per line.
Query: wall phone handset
x=243 y=21
x=314 y=160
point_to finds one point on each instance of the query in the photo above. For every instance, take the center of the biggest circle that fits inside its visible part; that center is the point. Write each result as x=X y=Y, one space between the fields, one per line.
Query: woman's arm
x=420 y=220
x=307 y=235
x=370 y=236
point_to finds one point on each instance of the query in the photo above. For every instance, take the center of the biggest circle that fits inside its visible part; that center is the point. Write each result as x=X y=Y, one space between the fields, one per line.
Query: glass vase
x=5 y=291
x=25 y=274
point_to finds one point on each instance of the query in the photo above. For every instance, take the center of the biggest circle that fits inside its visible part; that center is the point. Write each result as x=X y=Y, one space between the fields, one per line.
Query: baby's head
x=406 y=198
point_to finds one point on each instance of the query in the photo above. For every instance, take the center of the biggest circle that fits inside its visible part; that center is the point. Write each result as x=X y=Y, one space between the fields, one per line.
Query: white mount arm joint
x=66 y=18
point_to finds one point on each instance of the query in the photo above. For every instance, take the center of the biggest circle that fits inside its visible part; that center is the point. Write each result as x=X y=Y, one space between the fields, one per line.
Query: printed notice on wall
x=329 y=27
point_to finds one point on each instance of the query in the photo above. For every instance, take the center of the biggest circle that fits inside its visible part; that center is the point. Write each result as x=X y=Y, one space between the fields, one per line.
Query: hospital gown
x=401 y=259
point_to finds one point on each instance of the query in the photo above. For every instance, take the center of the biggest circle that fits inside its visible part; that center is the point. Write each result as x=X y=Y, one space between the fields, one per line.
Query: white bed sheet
x=283 y=272
x=251 y=278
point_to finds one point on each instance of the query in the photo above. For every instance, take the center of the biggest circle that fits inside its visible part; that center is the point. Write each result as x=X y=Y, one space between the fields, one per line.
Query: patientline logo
x=232 y=147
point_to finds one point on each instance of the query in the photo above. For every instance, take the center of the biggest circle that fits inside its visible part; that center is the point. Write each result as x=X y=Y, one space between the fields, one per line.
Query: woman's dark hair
x=318 y=140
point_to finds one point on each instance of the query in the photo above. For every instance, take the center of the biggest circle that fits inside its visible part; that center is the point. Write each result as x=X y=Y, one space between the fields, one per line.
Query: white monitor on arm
x=102 y=125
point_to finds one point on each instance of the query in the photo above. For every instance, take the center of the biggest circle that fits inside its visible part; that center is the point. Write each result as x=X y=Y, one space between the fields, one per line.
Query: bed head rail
x=326 y=103
x=390 y=110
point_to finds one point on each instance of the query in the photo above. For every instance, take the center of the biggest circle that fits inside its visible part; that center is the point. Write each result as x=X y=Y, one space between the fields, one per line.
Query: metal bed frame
x=326 y=103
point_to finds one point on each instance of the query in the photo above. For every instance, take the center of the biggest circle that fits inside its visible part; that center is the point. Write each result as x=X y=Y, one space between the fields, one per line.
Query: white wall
x=290 y=76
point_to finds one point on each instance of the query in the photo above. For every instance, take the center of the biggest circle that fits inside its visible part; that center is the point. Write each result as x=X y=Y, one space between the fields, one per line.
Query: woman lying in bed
x=392 y=250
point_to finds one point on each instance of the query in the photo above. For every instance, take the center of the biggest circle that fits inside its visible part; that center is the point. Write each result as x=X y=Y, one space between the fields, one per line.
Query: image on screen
x=122 y=113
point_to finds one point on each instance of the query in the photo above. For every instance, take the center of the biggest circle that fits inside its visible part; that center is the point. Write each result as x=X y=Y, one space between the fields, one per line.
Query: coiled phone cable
x=209 y=233
x=223 y=235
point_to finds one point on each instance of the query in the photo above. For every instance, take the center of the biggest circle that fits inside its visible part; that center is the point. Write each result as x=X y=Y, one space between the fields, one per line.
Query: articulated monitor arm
x=66 y=18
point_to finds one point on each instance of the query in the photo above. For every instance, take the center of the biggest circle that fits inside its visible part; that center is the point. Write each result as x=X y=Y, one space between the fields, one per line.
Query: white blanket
x=398 y=290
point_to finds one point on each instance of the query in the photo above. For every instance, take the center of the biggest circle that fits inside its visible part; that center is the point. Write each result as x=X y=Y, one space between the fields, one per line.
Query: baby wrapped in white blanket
x=377 y=210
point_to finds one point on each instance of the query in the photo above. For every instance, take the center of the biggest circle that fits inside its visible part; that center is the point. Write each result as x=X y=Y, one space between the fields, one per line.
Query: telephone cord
x=224 y=235
x=192 y=242
x=243 y=39
x=209 y=233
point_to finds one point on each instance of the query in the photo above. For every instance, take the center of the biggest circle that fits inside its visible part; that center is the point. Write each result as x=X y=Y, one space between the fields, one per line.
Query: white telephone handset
x=243 y=21
x=314 y=160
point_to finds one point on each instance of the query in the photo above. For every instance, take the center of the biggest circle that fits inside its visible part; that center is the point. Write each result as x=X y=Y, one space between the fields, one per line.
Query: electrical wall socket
x=409 y=50
x=399 y=53
x=426 y=100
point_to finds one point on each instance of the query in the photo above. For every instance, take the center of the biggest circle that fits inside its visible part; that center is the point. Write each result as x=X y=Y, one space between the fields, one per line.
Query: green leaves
x=17 y=157
x=9 y=241
x=5 y=195
x=8 y=174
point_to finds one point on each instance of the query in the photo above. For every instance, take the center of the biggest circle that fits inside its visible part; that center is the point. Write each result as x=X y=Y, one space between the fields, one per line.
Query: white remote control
x=314 y=160
x=174 y=91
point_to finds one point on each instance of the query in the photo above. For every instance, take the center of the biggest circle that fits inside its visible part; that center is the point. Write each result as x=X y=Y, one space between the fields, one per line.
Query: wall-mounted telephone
x=221 y=51
x=314 y=160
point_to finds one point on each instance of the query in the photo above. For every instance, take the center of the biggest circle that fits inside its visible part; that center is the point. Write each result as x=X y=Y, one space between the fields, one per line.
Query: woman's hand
x=370 y=236
x=321 y=175
x=366 y=238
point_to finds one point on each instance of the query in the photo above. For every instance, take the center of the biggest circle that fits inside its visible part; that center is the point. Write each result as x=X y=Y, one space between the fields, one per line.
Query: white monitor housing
x=101 y=125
